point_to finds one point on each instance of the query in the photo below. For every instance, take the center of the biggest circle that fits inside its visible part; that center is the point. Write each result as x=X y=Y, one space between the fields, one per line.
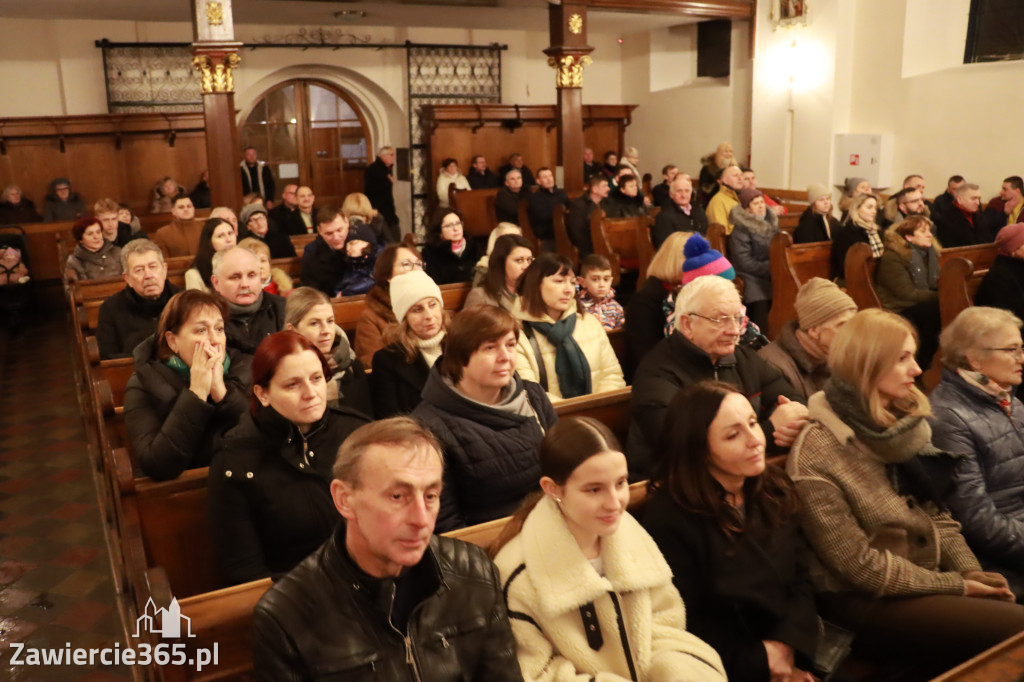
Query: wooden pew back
x=563 y=244
x=477 y=215
x=610 y=408
x=616 y=239
x=791 y=266
x=718 y=239
x=860 y=276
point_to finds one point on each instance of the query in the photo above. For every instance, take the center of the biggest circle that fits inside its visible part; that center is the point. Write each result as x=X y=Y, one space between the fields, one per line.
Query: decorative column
x=215 y=57
x=569 y=54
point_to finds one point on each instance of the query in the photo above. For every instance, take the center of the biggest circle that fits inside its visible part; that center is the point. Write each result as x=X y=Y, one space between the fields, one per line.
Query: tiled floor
x=55 y=584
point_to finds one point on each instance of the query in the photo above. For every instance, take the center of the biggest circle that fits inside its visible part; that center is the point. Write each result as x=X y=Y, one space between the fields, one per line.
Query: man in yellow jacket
x=730 y=182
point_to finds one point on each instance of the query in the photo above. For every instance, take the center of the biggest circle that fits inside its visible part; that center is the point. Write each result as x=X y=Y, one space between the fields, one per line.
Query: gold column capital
x=216 y=70
x=569 y=69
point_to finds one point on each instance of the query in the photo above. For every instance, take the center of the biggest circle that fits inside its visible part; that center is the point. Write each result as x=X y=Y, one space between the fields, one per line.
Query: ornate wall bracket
x=569 y=69
x=216 y=71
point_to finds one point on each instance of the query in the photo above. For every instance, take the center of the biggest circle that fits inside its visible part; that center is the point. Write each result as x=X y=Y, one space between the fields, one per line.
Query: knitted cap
x=815 y=192
x=819 y=300
x=1010 y=238
x=701 y=259
x=357 y=229
x=409 y=288
x=249 y=211
x=748 y=194
x=851 y=184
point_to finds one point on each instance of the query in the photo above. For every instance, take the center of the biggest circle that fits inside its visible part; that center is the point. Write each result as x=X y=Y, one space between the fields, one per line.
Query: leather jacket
x=327 y=620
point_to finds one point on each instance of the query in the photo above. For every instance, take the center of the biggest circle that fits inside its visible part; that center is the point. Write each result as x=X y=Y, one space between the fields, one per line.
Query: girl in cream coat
x=583 y=362
x=589 y=595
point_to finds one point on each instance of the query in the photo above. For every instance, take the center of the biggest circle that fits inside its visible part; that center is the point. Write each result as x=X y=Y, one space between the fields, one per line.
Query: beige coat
x=867 y=536
x=548 y=582
x=605 y=372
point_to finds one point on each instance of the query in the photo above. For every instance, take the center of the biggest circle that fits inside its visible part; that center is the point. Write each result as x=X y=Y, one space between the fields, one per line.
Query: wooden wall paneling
x=93 y=167
x=602 y=136
x=33 y=164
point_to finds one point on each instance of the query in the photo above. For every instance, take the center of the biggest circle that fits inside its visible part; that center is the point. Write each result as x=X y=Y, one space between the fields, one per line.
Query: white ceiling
x=463 y=14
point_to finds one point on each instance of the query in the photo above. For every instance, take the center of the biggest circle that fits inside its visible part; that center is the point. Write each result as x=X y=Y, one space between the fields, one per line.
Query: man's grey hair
x=385 y=149
x=223 y=212
x=219 y=257
x=963 y=189
x=137 y=246
x=693 y=296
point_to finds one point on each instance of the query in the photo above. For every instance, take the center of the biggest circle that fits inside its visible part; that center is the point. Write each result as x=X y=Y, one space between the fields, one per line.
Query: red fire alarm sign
x=854 y=159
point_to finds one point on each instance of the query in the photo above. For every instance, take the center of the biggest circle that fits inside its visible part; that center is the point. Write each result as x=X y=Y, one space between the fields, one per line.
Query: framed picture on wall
x=789 y=12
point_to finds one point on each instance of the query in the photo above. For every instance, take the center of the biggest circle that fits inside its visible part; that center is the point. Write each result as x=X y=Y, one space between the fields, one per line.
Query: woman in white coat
x=589 y=594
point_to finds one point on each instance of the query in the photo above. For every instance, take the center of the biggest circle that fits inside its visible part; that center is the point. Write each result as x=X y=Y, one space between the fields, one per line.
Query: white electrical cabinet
x=863 y=156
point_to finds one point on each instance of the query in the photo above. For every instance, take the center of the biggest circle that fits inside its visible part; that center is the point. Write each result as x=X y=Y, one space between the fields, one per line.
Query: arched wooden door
x=310 y=133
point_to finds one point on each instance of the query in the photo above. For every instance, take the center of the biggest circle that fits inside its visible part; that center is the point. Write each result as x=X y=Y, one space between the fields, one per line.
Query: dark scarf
x=151 y=307
x=916 y=467
x=571 y=364
x=924 y=268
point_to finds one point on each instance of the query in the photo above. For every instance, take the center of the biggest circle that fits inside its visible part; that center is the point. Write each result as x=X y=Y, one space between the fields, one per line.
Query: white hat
x=409 y=288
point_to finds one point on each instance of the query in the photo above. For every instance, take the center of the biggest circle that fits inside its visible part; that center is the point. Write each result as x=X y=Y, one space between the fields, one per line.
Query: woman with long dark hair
x=269 y=487
x=449 y=255
x=564 y=350
x=727 y=526
x=588 y=592
x=510 y=257
x=217 y=235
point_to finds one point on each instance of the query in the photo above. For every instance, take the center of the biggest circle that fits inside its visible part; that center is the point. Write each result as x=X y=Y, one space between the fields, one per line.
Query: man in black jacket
x=506 y=201
x=681 y=214
x=577 y=223
x=131 y=315
x=384 y=598
x=963 y=223
x=661 y=194
x=255 y=314
x=323 y=259
x=480 y=176
x=709 y=321
x=541 y=207
x=378 y=184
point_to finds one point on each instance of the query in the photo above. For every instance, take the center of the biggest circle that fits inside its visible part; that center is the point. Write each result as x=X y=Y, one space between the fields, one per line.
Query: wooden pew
x=616 y=239
x=791 y=266
x=527 y=228
x=860 y=267
x=645 y=252
x=563 y=244
x=610 y=408
x=718 y=238
x=477 y=209
x=299 y=241
x=788 y=222
x=1004 y=661
x=116 y=373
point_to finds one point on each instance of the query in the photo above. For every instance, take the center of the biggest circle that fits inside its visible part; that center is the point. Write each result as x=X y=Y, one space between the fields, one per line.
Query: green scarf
x=571 y=364
x=178 y=366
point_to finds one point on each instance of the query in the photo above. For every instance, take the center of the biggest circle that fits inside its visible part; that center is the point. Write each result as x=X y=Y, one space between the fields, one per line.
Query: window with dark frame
x=995 y=31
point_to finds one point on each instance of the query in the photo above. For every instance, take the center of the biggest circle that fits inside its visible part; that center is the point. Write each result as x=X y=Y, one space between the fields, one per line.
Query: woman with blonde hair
x=589 y=594
x=893 y=566
x=309 y=312
x=358 y=209
x=646 y=310
x=411 y=346
x=859 y=226
x=164 y=192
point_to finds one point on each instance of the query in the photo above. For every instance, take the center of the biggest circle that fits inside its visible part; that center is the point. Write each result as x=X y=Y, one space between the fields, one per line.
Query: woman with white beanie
x=411 y=346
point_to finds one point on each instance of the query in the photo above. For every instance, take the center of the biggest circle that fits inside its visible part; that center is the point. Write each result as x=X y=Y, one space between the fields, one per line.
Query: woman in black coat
x=489 y=421
x=449 y=256
x=269 y=487
x=728 y=528
x=400 y=369
x=817 y=224
x=187 y=389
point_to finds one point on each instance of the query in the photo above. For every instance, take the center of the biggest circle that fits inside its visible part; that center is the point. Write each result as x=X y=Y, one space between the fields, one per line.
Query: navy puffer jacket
x=989 y=497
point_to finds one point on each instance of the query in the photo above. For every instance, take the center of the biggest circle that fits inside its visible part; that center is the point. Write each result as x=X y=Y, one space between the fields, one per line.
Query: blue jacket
x=989 y=497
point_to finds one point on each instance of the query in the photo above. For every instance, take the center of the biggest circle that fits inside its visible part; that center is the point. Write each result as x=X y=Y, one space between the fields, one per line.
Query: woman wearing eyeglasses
x=708 y=322
x=413 y=344
x=450 y=257
x=978 y=417
x=377 y=315
x=510 y=257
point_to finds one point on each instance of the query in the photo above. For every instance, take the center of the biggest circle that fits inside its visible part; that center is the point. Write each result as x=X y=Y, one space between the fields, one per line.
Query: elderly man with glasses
x=709 y=318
